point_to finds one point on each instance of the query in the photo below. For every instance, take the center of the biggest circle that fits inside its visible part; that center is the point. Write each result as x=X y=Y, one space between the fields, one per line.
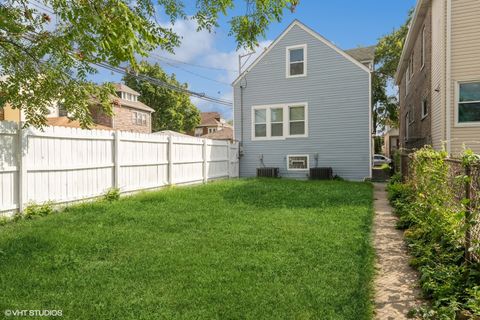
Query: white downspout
x=448 y=79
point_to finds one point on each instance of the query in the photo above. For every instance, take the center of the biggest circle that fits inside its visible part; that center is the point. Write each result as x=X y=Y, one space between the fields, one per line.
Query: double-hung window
x=260 y=123
x=468 y=103
x=424 y=108
x=296 y=61
x=276 y=122
x=279 y=121
x=297 y=120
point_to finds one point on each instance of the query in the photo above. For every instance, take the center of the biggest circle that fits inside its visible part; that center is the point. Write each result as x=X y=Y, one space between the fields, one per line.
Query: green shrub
x=112 y=194
x=3 y=221
x=38 y=210
x=434 y=220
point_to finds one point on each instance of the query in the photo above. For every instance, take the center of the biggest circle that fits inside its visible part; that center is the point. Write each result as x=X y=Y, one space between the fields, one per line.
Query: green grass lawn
x=238 y=249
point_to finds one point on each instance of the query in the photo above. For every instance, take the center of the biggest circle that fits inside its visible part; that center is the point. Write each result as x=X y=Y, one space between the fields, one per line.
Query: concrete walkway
x=396 y=292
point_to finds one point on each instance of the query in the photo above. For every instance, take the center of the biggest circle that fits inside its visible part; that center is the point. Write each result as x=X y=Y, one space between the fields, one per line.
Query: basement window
x=297 y=162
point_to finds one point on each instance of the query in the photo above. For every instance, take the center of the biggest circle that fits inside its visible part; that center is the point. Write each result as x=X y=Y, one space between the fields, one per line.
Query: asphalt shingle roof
x=362 y=54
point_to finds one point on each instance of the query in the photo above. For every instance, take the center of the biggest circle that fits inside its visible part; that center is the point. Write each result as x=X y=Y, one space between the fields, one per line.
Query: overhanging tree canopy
x=42 y=60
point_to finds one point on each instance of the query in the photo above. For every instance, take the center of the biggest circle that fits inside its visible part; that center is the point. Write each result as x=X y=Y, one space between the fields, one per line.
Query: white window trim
x=287 y=59
x=298 y=155
x=457 y=102
x=286 y=121
x=424 y=115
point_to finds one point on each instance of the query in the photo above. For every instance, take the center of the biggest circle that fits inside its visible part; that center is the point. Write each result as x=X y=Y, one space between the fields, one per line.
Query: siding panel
x=465 y=65
x=337 y=93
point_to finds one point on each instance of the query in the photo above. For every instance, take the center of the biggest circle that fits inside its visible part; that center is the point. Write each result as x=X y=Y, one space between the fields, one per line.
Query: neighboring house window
x=139 y=118
x=411 y=115
x=212 y=130
x=424 y=108
x=260 y=123
x=297 y=61
x=407 y=124
x=198 y=132
x=469 y=102
x=297 y=162
x=423 y=47
x=297 y=120
x=279 y=121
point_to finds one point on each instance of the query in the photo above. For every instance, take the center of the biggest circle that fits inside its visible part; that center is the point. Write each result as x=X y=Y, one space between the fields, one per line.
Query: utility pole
x=240 y=57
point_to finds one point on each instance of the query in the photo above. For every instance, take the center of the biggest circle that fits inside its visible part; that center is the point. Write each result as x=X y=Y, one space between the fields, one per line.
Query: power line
x=196 y=74
x=164 y=84
x=159 y=82
x=191 y=64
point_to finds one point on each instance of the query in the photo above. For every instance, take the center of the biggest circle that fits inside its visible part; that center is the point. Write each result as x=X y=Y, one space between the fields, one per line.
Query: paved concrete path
x=396 y=291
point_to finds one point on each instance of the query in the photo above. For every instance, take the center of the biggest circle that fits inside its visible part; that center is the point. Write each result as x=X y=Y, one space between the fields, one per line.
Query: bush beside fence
x=438 y=205
x=64 y=165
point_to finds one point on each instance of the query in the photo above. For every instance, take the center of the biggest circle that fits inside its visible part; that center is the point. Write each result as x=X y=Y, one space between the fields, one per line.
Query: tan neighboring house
x=391 y=142
x=439 y=77
x=210 y=122
x=129 y=114
x=226 y=133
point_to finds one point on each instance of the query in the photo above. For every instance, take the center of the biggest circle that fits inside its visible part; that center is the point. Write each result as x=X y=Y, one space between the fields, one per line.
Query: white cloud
x=199 y=47
x=194 y=43
x=229 y=60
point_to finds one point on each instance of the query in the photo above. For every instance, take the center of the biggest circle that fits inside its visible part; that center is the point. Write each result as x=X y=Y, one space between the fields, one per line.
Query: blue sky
x=348 y=24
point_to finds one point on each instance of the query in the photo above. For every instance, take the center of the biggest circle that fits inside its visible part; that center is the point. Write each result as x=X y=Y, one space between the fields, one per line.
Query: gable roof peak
x=313 y=33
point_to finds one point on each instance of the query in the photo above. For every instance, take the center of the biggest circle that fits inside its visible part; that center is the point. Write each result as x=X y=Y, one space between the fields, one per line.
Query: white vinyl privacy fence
x=67 y=164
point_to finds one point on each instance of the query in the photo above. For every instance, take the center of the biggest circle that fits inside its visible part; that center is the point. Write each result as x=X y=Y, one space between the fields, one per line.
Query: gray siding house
x=305 y=103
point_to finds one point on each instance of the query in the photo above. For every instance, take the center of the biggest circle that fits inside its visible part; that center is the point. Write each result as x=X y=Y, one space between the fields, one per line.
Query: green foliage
x=435 y=228
x=385 y=167
x=53 y=53
x=38 y=210
x=112 y=194
x=387 y=57
x=3 y=221
x=173 y=110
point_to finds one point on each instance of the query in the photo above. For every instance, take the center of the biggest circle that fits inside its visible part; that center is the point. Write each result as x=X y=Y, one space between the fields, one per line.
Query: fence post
x=229 y=164
x=170 y=160
x=468 y=213
x=22 y=167
x=205 y=162
x=116 y=159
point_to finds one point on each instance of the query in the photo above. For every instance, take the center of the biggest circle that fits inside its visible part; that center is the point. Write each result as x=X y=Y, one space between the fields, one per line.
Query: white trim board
x=311 y=32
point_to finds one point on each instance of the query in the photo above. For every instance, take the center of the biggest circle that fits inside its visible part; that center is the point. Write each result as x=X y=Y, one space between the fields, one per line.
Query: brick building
x=129 y=114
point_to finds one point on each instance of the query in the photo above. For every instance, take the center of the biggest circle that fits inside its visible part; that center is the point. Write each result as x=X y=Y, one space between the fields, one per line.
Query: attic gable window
x=296 y=61
x=128 y=96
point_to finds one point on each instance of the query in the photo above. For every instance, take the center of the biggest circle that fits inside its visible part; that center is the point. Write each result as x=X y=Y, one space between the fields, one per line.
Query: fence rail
x=64 y=165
